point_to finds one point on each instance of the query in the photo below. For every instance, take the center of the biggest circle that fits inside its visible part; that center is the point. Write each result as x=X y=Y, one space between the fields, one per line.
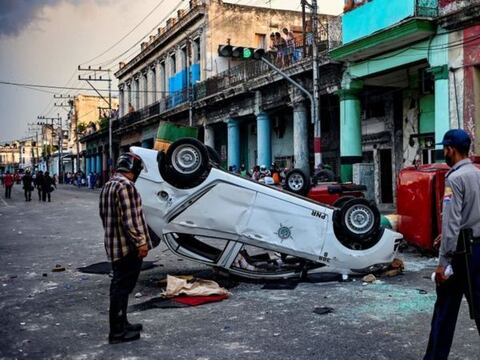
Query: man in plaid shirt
x=126 y=242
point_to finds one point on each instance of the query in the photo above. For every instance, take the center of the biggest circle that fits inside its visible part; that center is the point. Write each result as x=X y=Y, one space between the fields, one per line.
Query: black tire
x=186 y=163
x=357 y=224
x=213 y=156
x=342 y=200
x=297 y=182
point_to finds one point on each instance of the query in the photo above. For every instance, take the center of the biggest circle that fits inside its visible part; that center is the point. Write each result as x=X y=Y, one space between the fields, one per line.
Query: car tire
x=186 y=163
x=297 y=182
x=357 y=222
x=342 y=200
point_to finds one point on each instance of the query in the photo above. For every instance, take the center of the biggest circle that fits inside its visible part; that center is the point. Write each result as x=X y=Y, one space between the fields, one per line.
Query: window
x=154 y=85
x=196 y=51
x=260 y=41
x=184 y=57
x=173 y=65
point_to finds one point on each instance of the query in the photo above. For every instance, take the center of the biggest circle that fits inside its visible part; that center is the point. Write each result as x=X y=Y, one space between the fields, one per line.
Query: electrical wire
x=127 y=34
x=111 y=61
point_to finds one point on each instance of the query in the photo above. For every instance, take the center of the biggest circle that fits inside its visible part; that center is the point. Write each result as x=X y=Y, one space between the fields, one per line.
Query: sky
x=43 y=42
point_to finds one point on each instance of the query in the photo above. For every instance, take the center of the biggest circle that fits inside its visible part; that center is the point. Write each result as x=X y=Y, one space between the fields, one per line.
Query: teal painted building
x=394 y=98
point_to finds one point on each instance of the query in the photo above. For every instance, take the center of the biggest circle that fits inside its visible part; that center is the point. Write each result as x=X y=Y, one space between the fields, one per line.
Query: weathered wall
x=240 y=24
x=456 y=93
x=450 y=6
x=472 y=85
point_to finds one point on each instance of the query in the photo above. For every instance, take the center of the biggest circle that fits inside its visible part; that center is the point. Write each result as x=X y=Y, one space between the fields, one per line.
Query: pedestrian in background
x=39 y=179
x=8 y=184
x=126 y=242
x=460 y=245
x=47 y=187
x=27 y=185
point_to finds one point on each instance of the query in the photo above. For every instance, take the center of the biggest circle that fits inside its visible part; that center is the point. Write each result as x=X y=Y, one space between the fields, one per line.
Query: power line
x=109 y=62
x=26 y=85
x=127 y=34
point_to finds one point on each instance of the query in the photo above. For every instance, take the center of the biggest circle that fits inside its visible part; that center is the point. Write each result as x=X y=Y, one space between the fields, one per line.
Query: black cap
x=456 y=138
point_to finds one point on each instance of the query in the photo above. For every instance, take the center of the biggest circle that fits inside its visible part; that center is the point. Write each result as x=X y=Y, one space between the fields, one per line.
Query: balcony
x=382 y=25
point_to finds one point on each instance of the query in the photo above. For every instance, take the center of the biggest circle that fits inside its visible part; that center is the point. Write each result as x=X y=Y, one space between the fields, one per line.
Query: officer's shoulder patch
x=448 y=194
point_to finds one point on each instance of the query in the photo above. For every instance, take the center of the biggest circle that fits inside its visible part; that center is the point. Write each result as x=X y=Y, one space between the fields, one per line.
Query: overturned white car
x=220 y=219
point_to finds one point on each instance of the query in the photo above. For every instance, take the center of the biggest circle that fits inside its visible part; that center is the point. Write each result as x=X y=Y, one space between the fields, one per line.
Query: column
x=300 y=136
x=158 y=82
x=264 y=139
x=145 y=88
x=129 y=98
x=350 y=132
x=98 y=167
x=233 y=129
x=209 y=136
x=121 y=100
x=442 y=108
x=87 y=164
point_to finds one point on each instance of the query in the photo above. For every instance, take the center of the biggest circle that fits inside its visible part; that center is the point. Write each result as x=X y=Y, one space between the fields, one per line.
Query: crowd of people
x=282 y=48
x=79 y=179
x=40 y=181
x=45 y=183
x=271 y=176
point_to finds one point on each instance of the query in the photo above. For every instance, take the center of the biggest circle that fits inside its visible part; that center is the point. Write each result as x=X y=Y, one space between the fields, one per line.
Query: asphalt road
x=63 y=315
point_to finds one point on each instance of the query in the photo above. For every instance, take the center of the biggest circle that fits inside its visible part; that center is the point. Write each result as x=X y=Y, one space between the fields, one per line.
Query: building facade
x=241 y=108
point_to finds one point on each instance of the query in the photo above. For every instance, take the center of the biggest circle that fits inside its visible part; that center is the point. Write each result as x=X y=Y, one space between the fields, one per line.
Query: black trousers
x=39 y=190
x=28 y=195
x=45 y=195
x=125 y=276
x=8 y=192
x=449 y=298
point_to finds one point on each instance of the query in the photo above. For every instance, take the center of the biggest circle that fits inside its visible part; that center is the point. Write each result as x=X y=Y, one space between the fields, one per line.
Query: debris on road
x=58 y=268
x=138 y=295
x=323 y=310
x=195 y=287
x=370 y=278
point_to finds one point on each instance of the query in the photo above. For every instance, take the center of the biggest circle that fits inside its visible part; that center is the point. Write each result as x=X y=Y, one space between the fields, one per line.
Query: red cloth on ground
x=199 y=300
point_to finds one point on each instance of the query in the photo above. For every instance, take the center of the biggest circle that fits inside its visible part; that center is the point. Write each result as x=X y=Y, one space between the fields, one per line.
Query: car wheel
x=297 y=182
x=342 y=200
x=186 y=163
x=357 y=223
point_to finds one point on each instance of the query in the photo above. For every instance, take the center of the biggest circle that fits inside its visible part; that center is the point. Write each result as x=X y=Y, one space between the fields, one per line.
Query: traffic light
x=240 y=52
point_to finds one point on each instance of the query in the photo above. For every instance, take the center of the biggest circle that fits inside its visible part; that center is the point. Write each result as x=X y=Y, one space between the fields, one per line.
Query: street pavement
x=63 y=315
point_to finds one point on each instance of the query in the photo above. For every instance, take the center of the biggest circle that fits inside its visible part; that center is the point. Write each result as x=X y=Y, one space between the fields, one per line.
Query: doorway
x=386 y=176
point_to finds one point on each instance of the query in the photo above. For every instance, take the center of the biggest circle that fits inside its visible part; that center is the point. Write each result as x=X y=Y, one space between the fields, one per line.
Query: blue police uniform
x=461 y=211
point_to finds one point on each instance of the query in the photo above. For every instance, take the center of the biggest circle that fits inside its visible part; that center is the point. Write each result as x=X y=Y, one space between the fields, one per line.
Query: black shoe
x=125 y=336
x=133 y=327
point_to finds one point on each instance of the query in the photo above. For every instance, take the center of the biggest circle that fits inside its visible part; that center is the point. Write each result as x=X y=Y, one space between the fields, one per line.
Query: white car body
x=237 y=211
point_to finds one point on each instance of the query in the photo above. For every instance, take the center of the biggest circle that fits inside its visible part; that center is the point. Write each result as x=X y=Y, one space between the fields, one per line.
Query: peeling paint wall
x=451 y=6
x=240 y=24
x=472 y=85
x=456 y=93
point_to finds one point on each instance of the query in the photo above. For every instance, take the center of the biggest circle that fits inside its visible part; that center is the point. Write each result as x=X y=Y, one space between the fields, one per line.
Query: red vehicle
x=330 y=193
x=420 y=193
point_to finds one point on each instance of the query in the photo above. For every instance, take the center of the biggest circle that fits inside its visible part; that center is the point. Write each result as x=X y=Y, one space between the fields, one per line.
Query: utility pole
x=96 y=77
x=65 y=107
x=316 y=91
x=34 y=129
x=59 y=122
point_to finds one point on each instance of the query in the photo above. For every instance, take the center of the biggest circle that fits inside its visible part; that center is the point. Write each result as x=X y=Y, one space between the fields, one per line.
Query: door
x=386 y=176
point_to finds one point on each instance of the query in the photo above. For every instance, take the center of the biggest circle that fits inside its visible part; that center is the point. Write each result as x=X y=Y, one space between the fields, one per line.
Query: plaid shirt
x=122 y=217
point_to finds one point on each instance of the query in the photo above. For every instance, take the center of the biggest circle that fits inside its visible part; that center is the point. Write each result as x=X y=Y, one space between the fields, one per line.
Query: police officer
x=460 y=245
